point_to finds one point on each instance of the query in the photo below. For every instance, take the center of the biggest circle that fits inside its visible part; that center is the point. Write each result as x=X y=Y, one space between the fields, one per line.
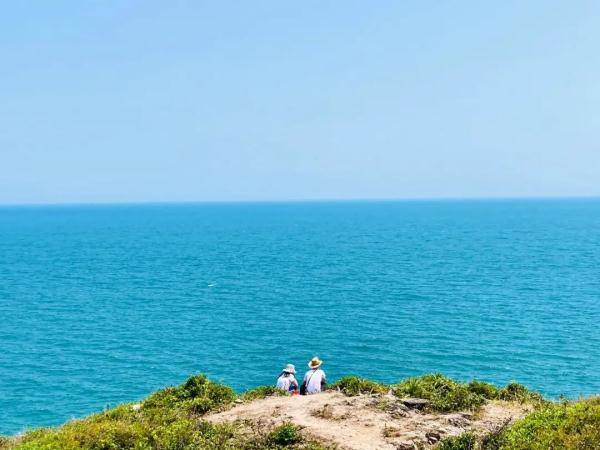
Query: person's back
x=315 y=379
x=287 y=381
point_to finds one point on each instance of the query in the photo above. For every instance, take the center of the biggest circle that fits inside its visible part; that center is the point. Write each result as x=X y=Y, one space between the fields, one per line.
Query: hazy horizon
x=148 y=102
x=305 y=200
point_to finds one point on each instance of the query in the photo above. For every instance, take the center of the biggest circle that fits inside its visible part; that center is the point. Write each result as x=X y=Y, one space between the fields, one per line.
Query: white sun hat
x=290 y=368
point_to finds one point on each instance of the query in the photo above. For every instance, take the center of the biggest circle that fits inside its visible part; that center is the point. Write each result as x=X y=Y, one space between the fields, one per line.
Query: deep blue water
x=103 y=304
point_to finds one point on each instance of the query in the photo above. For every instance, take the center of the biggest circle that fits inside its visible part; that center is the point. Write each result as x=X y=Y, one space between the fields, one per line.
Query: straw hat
x=314 y=363
x=289 y=369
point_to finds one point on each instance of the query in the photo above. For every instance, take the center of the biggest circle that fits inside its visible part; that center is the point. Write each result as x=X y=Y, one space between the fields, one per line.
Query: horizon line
x=302 y=200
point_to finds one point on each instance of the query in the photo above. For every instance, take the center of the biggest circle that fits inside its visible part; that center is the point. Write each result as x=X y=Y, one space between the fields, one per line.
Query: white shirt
x=285 y=381
x=313 y=379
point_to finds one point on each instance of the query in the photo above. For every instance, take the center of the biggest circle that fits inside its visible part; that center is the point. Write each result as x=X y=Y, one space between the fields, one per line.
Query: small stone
x=415 y=403
x=433 y=437
x=238 y=401
x=136 y=407
x=457 y=420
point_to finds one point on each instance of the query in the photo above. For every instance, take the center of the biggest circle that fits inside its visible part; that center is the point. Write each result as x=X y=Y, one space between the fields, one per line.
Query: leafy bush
x=197 y=395
x=486 y=390
x=91 y=435
x=466 y=441
x=353 y=385
x=560 y=426
x=262 y=392
x=567 y=426
x=443 y=393
x=285 y=435
x=519 y=393
x=180 y=434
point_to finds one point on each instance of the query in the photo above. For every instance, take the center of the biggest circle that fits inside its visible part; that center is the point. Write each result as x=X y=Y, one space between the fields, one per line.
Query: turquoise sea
x=104 y=304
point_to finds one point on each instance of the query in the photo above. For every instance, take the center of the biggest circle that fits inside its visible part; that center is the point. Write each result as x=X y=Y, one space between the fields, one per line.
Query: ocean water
x=104 y=304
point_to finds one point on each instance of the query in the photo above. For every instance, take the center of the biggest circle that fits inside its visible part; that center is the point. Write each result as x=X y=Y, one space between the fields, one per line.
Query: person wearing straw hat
x=287 y=381
x=315 y=379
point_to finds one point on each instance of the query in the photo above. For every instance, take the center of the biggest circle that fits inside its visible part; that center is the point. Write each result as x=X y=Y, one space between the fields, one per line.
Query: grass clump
x=197 y=395
x=485 y=390
x=448 y=395
x=466 y=441
x=557 y=426
x=285 y=435
x=353 y=385
x=262 y=392
x=515 y=392
x=567 y=426
x=443 y=393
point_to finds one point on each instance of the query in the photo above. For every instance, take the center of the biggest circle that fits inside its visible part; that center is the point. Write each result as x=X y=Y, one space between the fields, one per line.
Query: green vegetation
x=443 y=393
x=262 y=392
x=557 y=426
x=285 y=435
x=564 y=426
x=485 y=390
x=353 y=385
x=448 y=395
x=466 y=441
x=515 y=392
x=170 y=419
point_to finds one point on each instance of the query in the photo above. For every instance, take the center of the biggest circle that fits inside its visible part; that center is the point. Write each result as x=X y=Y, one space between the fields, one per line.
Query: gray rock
x=415 y=403
x=457 y=420
x=433 y=437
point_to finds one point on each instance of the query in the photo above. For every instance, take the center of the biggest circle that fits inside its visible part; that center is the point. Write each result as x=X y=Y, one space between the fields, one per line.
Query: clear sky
x=104 y=101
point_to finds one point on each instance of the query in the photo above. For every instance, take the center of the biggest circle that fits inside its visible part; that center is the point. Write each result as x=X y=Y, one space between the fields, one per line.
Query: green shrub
x=197 y=395
x=515 y=392
x=219 y=435
x=443 y=393
x=353 y=385
x=89 y=435
x=262 y=392
x=486 y=390
x=466 y=441
x=284 y=435
x=198 y=406
x=178 y=435
x=565 y=426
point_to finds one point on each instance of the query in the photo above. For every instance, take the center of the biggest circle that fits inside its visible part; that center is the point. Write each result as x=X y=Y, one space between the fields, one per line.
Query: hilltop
x=425 y=412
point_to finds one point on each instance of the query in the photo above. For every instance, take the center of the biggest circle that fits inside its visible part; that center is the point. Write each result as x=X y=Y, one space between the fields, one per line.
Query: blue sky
x=195 y=101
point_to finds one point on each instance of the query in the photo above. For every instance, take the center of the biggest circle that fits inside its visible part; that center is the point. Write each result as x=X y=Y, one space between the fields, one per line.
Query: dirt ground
x=369 y=422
